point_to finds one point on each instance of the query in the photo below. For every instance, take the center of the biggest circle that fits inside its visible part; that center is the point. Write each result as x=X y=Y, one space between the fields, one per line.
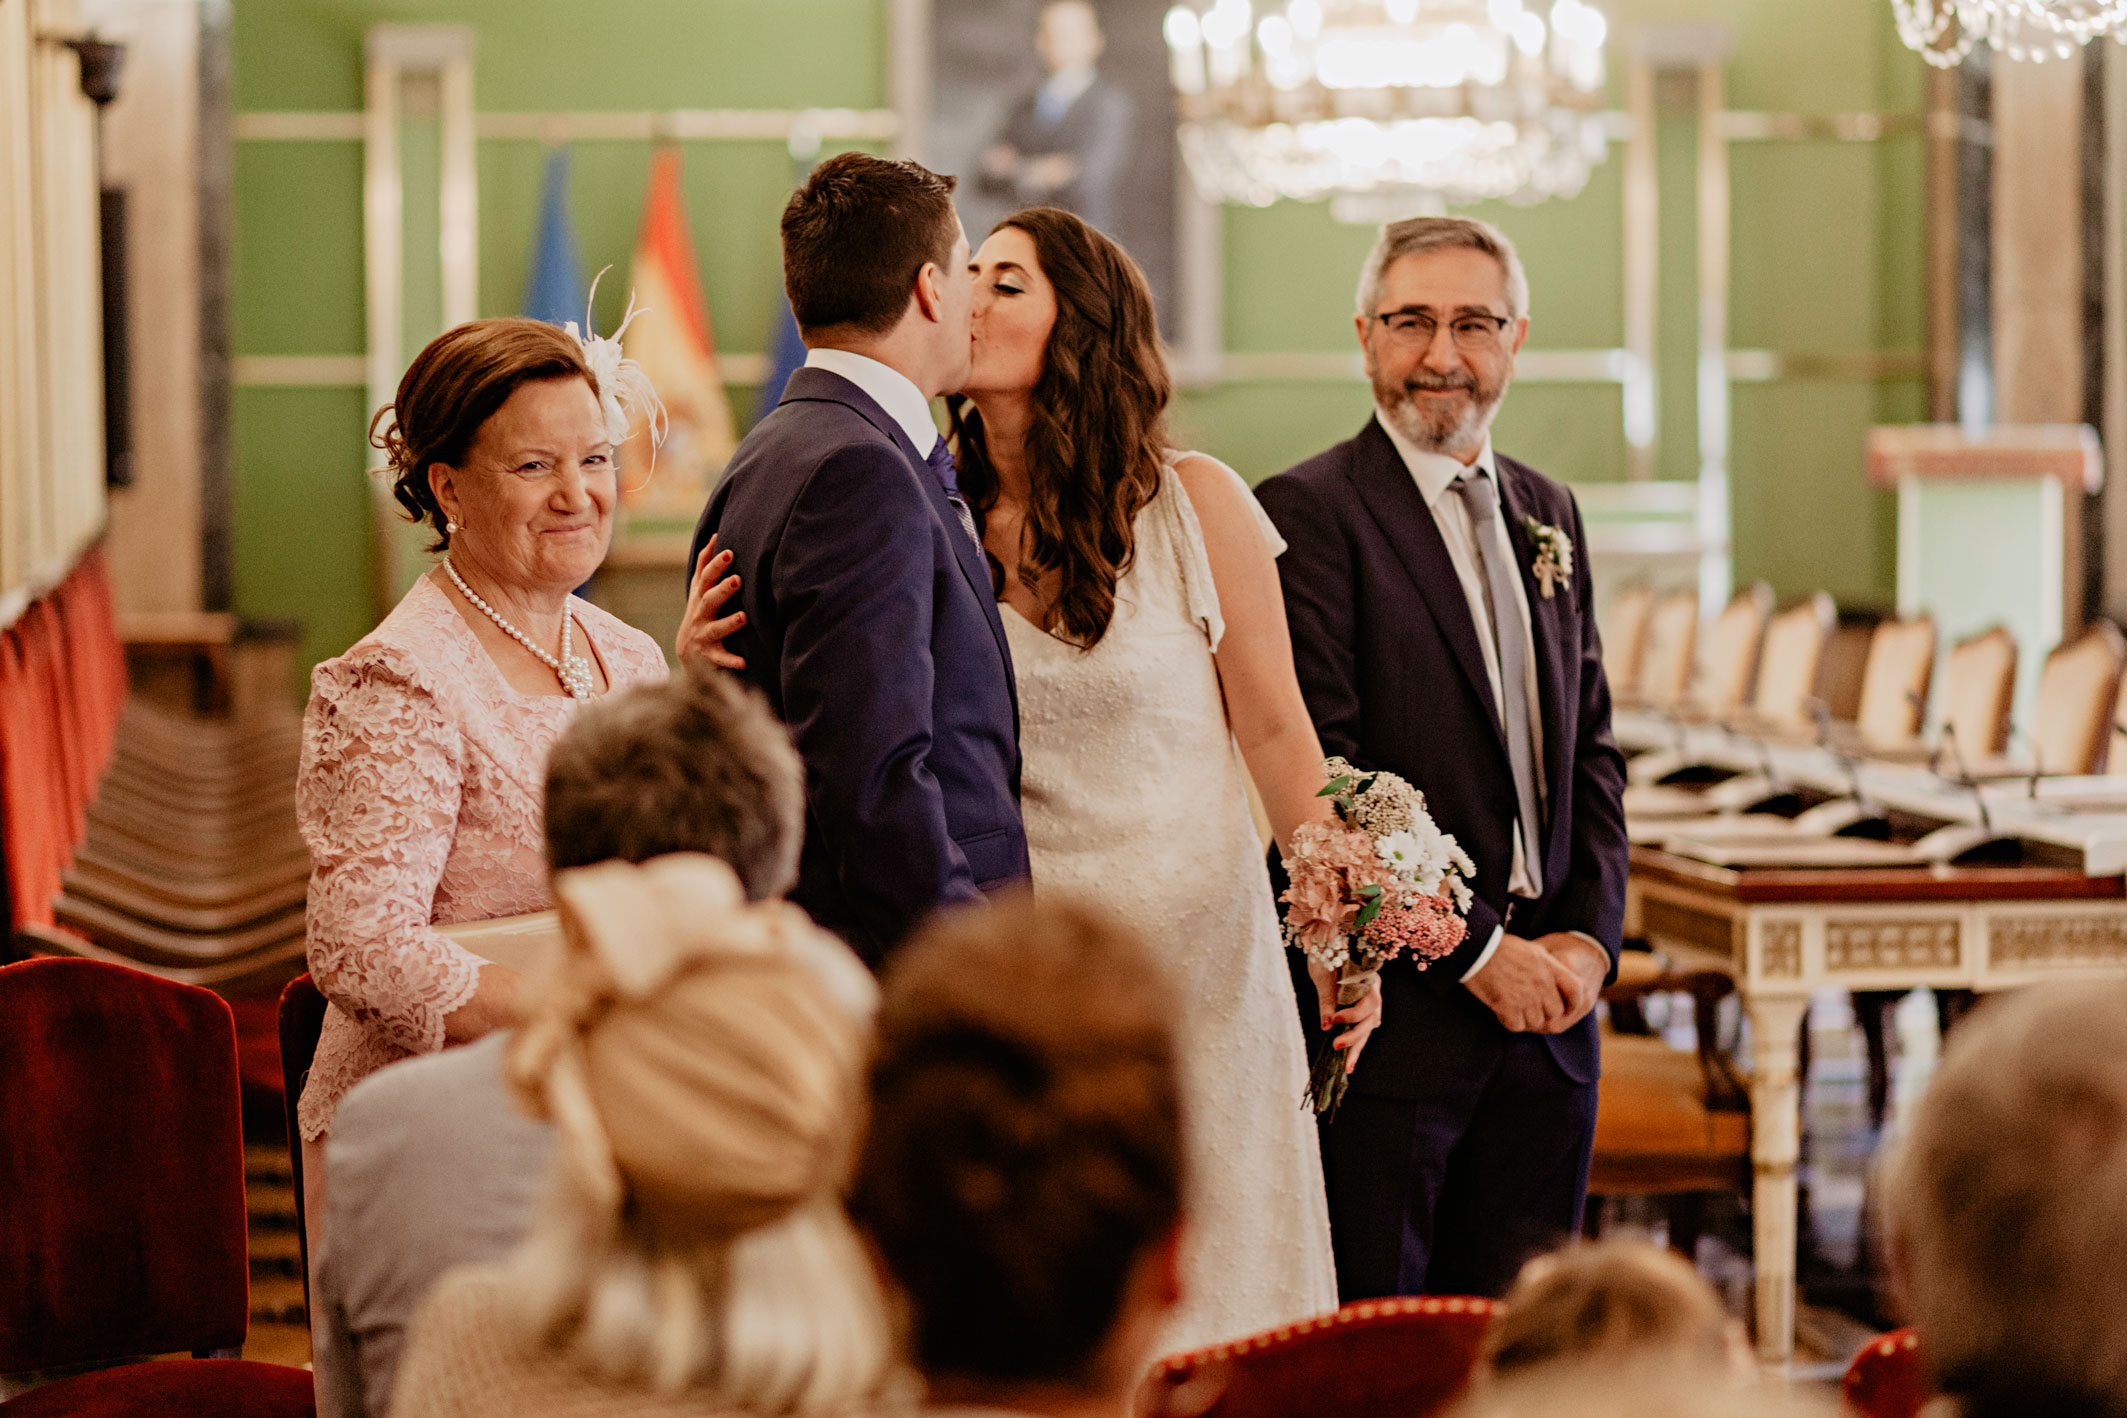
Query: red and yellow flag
x=674 y=344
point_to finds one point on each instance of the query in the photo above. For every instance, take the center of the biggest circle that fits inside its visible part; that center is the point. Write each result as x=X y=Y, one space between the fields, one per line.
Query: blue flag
x=555 y=292
x=785 y=358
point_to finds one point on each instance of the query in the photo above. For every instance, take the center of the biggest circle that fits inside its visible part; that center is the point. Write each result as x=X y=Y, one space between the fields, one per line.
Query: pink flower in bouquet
x=1422 y=927
x=1328 y=865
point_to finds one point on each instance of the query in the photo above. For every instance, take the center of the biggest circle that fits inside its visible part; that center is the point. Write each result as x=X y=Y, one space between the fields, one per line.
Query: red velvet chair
x=302 y=1021
x=1887 y=1379
x=1408 y=1357
x=123 y=1232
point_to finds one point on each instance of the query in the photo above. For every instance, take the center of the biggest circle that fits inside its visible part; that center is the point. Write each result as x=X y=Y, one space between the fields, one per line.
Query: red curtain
x=62 y=688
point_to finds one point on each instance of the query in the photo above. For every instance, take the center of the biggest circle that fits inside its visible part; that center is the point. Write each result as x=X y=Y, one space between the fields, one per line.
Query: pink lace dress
x=420 y=795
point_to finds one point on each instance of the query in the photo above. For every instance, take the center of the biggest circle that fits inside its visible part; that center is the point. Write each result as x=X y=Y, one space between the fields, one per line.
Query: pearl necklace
x=573 y=670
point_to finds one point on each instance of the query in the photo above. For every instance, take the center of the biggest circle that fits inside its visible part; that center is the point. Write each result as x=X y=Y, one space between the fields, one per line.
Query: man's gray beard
x=1438 y=433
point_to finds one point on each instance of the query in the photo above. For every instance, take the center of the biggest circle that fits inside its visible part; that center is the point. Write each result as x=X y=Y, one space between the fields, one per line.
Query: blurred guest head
x=1614 y=1302
x=872 y=251
x=497 y=441
x=694 y=764
x=1067 y=36
x=1022 y=1179
x=1067 y=353
x=2007 y=1205
x=1443 y=309
x=1600 y=1390
x=702 y=1061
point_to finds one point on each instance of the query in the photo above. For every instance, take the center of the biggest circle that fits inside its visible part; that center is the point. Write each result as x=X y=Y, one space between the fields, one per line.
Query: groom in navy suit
x=869 y=618
x=1444 y=629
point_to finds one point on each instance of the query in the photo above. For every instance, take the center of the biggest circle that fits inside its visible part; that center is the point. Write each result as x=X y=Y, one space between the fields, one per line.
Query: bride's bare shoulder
x=1210 y=483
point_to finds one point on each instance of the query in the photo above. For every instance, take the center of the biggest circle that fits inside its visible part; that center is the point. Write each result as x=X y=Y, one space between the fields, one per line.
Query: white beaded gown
x=1132 y=790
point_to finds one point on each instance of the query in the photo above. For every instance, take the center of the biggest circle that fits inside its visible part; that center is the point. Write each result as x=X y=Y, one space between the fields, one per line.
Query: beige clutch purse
x=523 y=943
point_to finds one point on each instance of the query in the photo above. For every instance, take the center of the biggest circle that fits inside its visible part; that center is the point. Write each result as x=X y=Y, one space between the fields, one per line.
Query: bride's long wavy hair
x=1099 y=434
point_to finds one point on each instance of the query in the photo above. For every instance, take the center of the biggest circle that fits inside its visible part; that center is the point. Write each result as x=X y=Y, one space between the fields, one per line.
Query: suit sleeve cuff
x=1484 y=957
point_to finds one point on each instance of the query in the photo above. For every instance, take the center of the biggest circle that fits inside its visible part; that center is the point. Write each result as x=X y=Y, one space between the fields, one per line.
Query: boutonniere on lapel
x=1554 y=554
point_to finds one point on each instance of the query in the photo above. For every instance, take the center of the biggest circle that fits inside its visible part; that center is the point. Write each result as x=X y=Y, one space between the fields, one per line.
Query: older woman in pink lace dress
x=425 y=746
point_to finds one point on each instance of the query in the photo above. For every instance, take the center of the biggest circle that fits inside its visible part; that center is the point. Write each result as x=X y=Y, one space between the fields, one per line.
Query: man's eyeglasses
x=1472 y=333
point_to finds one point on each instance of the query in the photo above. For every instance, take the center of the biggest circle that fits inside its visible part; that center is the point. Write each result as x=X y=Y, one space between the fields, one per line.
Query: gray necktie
x=1479 y=500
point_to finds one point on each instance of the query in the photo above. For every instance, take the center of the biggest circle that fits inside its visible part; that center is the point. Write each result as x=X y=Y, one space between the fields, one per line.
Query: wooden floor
x=278 y=1334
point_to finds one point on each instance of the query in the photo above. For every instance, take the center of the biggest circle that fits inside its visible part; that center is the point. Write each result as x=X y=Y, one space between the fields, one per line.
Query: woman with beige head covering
x=703 y=1061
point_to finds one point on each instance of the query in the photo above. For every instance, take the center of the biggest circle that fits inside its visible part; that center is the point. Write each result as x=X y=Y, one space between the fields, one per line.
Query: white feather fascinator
x=624 y=391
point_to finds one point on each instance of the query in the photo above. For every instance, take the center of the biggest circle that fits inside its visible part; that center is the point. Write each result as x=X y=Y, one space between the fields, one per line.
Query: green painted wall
x=1827 y=258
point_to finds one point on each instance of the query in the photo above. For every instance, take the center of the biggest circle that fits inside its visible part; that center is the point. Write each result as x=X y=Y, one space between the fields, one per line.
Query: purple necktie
x=948 y=474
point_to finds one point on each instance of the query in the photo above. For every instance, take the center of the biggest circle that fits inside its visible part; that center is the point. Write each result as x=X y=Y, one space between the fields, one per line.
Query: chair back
x=1623 y=626
x=1665 y=655
x=2076 y=691
x=1787 y=666
x=123 y=1229
x=1894 y=685
x=1731 y=652
x=302 y=1021
x=1886 y=1379
x=1980 y=681
x=2116 y=738
x=1410 y=1357
x=1843 y=664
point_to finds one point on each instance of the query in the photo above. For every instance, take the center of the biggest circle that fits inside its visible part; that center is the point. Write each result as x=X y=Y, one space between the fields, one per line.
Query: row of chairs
x=192 y=866
x=1790 y=673
x=124 y=1174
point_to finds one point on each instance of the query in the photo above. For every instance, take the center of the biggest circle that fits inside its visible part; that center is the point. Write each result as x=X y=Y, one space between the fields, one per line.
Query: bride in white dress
x=1139 y=591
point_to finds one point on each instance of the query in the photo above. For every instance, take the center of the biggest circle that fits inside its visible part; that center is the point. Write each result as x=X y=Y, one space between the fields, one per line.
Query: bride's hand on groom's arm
x=701 y=631
x=1541 y=986
x=1361 y=1019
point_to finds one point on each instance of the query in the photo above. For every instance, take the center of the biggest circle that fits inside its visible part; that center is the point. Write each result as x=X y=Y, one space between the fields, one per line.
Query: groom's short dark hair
x=856 y=234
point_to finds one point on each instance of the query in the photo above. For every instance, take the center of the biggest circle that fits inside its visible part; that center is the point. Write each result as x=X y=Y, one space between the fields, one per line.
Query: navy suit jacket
x=1393 y=674
x=872 y=629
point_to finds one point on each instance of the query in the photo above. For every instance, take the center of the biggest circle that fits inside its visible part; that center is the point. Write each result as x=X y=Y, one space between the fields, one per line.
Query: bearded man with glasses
x=1443 y=626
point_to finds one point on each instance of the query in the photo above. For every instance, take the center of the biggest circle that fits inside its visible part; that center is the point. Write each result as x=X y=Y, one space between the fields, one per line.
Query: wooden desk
x=1784 y=934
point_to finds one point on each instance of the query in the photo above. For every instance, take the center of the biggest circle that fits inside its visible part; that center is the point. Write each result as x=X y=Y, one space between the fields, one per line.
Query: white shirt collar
x=889 y=388
x=1435 y=472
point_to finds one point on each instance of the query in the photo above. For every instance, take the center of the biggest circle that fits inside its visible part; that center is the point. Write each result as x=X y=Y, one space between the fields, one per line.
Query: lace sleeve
x=378 y=797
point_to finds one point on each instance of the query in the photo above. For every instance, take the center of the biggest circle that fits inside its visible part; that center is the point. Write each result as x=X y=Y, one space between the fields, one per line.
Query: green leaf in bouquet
x=1370 y=910
x=1334 y=786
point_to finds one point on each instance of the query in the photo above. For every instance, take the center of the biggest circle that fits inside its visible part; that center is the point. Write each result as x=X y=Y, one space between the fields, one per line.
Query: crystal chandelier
x=1945 y=31
x=1388 y=106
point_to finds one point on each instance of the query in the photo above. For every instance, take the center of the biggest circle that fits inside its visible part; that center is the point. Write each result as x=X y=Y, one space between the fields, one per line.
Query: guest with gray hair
x=433 y=1163
x=2006 y=1205
x=1443 y=626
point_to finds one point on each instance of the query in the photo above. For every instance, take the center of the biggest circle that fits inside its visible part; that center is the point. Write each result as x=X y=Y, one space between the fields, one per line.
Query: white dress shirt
x=1435 y=474
x=889 y=388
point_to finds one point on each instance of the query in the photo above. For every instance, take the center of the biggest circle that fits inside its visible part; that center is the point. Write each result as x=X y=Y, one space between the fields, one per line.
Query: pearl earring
x=449 y=528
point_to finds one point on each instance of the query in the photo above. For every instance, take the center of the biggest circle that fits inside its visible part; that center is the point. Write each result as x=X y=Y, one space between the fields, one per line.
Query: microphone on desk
x=1822 y=713
x=1964 y=778
x=2037 y=760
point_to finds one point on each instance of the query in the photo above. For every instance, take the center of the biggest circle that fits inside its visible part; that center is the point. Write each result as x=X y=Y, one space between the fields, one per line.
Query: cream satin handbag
x=523 y=943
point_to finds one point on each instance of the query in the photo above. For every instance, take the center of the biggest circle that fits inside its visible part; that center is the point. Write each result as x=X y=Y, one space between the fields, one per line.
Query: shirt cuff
x=1484 y=957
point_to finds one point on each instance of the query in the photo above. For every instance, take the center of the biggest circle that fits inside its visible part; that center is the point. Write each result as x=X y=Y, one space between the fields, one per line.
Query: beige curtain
x=51 y=344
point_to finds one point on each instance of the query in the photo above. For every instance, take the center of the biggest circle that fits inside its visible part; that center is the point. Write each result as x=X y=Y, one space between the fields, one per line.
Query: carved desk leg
x=1775 y=1144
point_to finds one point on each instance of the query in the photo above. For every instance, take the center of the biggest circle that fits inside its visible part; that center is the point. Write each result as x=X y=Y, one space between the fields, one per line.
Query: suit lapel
x=1544 y=612
x=1392 y=499
x=821 y=384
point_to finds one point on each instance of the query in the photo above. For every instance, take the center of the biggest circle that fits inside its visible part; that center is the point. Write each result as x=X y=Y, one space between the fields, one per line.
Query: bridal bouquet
x=1382 y=881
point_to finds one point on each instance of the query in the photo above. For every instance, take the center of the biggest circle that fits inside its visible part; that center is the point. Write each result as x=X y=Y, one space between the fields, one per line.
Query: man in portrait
x=1066 y=143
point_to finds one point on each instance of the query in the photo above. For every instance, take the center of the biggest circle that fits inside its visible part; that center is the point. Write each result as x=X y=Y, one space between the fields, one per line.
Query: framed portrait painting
x=1063 y=103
